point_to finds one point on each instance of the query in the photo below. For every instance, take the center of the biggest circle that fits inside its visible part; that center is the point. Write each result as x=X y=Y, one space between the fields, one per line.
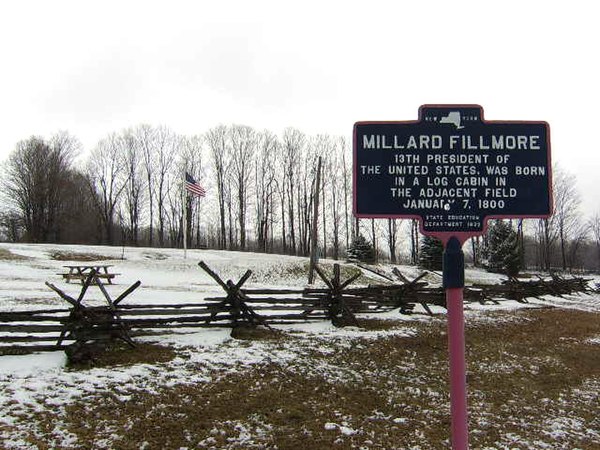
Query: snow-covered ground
x=165 y=275
x=38 y=381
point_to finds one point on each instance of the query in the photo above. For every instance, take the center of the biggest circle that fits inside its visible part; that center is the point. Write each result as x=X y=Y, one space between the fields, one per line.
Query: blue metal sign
x=452 y=169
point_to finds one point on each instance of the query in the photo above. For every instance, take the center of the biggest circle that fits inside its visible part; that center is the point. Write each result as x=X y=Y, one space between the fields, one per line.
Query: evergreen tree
x=361 y=250
x=503 y=251
x=430 y=255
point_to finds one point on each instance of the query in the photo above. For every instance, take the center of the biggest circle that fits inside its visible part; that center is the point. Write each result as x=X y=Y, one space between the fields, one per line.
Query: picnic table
x=81 y=272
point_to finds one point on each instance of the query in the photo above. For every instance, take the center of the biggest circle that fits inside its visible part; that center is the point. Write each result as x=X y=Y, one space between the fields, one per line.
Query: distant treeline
x=260 y=196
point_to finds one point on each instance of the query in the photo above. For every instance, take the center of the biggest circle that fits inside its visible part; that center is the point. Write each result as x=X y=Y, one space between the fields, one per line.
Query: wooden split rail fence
x=74 y=328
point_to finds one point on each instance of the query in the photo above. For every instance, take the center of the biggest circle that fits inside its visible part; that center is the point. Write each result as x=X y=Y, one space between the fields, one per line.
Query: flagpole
x=193 y=187
x=184 y=195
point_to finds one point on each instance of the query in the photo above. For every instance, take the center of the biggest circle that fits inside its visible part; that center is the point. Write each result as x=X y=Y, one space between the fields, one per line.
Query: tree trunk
x=314 y=241
x=374 y=238
x=346 y=199
x=242 y=218
x=324 y=214
x=392 y=239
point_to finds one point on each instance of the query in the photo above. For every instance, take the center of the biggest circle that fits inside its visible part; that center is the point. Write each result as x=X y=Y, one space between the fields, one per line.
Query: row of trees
x=261 y=195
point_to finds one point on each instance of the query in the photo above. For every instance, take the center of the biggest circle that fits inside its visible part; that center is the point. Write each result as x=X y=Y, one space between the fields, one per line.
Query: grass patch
x=255 y=333
x=301 y=269
x=117 y=353
x=7 y=255
x=379 y=324
x=295 y=270
x=285 y=411
x=549 y=346
x=156 y=256
x=347 y=271
x=384 y=393
x=14 y=351
x=75 y=256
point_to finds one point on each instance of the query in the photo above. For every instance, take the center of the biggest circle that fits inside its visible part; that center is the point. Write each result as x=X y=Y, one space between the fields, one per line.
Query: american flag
x=193 y=187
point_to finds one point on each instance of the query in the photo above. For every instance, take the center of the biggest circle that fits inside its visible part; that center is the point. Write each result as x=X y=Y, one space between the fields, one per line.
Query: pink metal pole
x=458 y=369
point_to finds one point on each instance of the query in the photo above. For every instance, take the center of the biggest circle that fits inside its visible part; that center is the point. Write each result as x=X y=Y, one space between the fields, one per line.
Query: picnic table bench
x=81 y=272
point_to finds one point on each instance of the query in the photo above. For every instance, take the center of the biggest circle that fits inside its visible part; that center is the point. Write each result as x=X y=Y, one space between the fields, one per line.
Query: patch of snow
x=191 y=337
x=31 y=365
x=347 y=431
x=594 y=340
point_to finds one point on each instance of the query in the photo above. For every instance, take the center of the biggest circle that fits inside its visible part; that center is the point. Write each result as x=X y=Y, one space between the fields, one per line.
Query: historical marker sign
x=452 y=169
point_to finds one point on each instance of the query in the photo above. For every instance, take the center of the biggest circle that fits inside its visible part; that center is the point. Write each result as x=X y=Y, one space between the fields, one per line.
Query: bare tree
x=11 y=226
x=392 y=238
x=217 y=140
x=475 y=250
x=108 y=179
x=243 y=145
x=66 y=145
x=346 y=170
x=231 y=222
x=80 y=222
x=594 y=225
x=374 y=233
x=280 y=188
x=566 y=210
x=414 y=241
x=326 y=148
x=546 y=237
x=192 y=162
x=578 y=237
x=173 y=216
x=294 y=142
x=144 y=136
x=166 y=149
x=336 y=196
x=133 y=194
x=265 y=168
x=36 y=184
x=305 y=195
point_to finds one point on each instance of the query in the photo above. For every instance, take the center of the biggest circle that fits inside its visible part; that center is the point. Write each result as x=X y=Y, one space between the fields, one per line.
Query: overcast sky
x=96 y=67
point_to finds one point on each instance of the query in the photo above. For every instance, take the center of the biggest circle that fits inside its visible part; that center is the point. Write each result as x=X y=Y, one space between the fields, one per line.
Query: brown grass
x=391 y=391
x=346 y=271
x=379 y=324
x=7 y=255
x=118 y=353
x=75 y=256
x=255 y=333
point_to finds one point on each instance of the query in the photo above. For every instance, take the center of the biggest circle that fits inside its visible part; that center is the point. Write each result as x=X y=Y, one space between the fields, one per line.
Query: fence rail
x=75 y=327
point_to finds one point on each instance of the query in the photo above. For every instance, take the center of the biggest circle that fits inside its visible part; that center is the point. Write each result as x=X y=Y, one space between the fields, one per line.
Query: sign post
x=453 y=283
x=452 y=170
